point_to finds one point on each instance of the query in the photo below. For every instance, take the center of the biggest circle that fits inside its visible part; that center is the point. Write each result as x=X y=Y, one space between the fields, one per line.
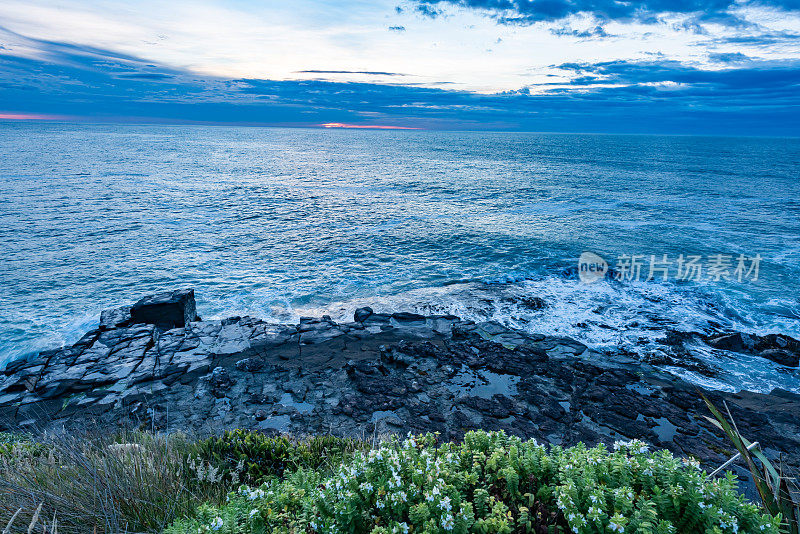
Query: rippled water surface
x=279 y=223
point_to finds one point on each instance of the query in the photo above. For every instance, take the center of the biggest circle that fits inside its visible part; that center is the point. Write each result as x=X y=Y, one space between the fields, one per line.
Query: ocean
x=282 y=223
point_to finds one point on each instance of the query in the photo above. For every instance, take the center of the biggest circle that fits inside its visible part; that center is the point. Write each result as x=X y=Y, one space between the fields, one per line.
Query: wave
x=631 y=317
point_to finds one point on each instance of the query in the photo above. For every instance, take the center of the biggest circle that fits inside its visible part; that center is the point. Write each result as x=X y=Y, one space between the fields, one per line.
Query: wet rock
x=313 y=334
x=251 y=365
x=219 y=382
x=533 y=303
x=407 y=317
x=383 y=373
x=361 y=314
x=781 y=349
x=736 y=342
x=171 y=309
x=781 y=357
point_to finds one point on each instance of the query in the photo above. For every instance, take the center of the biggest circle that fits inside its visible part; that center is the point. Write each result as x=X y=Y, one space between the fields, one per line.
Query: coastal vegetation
x=429 y=378
x=246 y=482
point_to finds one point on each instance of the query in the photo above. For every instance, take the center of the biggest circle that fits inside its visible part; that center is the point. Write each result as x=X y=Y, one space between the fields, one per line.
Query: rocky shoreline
x=156 y=365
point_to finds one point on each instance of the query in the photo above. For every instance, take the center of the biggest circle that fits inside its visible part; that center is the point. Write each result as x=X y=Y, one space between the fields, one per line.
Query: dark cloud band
x=747 y=96
x=532 y=11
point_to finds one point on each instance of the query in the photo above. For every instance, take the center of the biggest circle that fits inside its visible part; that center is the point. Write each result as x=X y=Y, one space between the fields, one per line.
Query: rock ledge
x=156 y=365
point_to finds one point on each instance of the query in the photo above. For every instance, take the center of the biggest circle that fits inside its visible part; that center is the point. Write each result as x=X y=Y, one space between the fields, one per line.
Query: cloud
x=145 y=75
x=397 y=28
x=426 y=9
x=777 y=75
x=761 y=39
x=648 y=11
x=370 y=72
x=592 y=33
x=728 y=57
x=655 y=96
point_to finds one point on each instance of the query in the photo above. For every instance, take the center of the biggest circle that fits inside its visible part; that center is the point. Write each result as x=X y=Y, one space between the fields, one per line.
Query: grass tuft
x=132 y=482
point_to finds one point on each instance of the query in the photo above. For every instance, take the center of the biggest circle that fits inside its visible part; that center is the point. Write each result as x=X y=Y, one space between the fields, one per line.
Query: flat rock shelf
x=381 y=373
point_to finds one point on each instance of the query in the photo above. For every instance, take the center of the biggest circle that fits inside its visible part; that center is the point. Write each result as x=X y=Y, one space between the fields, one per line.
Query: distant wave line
x=366 y=126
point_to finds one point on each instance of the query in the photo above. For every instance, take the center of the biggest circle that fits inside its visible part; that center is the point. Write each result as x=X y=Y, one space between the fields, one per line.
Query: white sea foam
x=608 y=315
x=293 y=222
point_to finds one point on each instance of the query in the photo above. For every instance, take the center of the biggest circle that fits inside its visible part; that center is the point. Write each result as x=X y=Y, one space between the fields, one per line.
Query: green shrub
x=12 y=443
x=490 y=483
x=253 y=457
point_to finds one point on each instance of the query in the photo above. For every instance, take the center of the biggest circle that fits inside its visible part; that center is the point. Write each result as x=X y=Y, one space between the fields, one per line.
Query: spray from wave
x=634 y=318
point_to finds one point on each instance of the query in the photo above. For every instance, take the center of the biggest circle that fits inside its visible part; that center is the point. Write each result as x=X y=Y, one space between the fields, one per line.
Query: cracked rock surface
x=380 y=373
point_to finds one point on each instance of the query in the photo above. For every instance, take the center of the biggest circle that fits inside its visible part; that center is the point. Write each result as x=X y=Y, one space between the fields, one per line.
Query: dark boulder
x=781 y=357
x=362 y=314
x=777 y=342
x=250 y=365
x=736 y=342
x=219 y=382
x=781 y=349
x=171 y=309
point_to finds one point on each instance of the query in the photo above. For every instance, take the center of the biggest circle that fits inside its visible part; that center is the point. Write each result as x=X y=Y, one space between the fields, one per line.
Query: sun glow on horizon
x=366 y=126
x=29 y=117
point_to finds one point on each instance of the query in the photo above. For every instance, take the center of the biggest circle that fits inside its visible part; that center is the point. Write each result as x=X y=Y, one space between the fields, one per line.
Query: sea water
x=281 y=223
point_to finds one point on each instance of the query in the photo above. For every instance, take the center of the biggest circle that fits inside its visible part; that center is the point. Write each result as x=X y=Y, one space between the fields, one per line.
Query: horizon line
x=139 y=121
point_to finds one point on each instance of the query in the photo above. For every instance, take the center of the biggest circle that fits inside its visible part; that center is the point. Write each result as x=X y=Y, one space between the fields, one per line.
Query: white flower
x=253 y=494
x=446 y=504
x=616 y=527
x=447 y=522
x=633 y=445
x=253 y=512
x=216 y=524
x=692 y=462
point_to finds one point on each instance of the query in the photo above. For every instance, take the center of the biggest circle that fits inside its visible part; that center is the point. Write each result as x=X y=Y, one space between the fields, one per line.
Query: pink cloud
x=365 y=126
x=29 y=117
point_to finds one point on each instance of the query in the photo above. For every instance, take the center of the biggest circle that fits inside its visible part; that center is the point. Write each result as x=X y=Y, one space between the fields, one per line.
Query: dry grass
x=134 y=482
x=36 y=522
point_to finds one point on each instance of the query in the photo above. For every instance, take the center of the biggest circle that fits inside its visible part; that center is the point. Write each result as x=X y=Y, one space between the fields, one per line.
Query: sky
x=648 y=66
